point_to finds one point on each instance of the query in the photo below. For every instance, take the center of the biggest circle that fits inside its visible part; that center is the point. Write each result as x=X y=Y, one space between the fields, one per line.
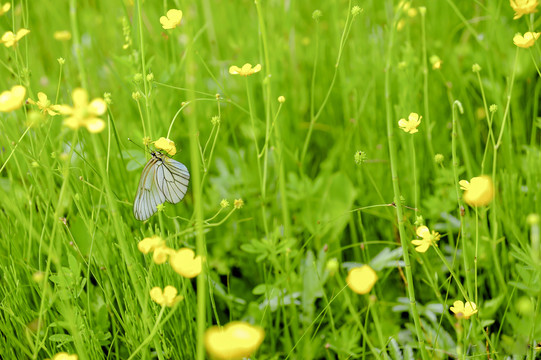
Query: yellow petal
x=95 y=125
x=422 y=231
x=422 y=245
x=234 y=70
x=166 y=145
x=98 y=106
x=21 y=33
x=148 y=244
x=5 y=8
x=42 y=98
x=480 y=191
x=63 y=109
x=464 y=184
x=12 y=99
x=80 y=98
x=361 y=279
x=72 y=122
x=157 y=295
x=175 y=15
x=185 y=263
x=236 y=340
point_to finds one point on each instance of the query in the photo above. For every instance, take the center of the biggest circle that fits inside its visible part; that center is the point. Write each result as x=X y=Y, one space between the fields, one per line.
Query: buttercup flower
x=172 y=20
x=161 y=254
x=246 y=69
x=82 y=113
x=185 y=263
x=479 y=191
x=44 y=104
x=523 y=7
x=5 y=8
x=361 y=279
x=62 y=35
x=428 y=238
x=149 y=244
x=463 y=311
x=236 y=340
x=9 y=39
x=12 y=99
x=224 y=203
x=166 y=145
x=65 y=356
x=527 y=40
x=167 y=297
x=410 y=125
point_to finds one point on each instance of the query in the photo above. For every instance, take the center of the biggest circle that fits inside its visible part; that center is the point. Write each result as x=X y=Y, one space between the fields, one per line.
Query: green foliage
x=328 y=180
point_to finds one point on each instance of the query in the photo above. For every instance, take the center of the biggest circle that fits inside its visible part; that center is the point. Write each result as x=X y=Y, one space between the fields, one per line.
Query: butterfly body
x=163 y=179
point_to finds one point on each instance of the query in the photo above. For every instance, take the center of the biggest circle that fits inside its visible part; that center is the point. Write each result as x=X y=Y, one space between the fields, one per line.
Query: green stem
x=396 y=190
x=454 y=135
x=314 y=118
x=77 y=43
x=426 y=101
x=144 y=67
x=202 y=282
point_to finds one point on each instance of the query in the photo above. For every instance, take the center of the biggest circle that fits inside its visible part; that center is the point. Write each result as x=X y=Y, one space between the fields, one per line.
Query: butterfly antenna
x=139 y=146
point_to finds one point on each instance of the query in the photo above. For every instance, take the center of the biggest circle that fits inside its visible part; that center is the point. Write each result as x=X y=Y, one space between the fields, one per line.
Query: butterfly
x=163 y=179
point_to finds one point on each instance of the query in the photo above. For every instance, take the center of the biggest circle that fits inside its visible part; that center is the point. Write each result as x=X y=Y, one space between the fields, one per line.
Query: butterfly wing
x=148 y=196
x=172 y=178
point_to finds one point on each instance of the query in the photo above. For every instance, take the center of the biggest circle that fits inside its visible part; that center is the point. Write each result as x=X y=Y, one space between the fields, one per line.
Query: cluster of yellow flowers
x=81 y=114
x=237 y=339
x=524 y=7
x=183 y=261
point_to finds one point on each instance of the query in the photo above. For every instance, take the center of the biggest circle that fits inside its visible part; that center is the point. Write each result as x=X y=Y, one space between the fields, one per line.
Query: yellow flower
x=224 y=203
x=161 y=254
x=428 y=238
x=185 y=263
x=149 y=244
x=44 y=104
x=463 y=311
x=62 y=35
x=479 y=191
x=361 y=279
x=172 y=20
x=83 y=113
x=167 y=297
x=523 y=7
x=12 y=99
x=410 y=125
x=5 y=8
x=9 y=39
x=246 y=69
x=238 y=203
x=65 y=356
x=166 y=145
x=527 y=40
x=235 y=340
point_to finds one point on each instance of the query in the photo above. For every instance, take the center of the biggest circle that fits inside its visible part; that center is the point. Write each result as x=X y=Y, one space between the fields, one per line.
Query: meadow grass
x=299 y=174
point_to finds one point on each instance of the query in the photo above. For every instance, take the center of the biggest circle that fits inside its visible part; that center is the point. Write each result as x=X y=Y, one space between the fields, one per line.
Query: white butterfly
x=163 y=179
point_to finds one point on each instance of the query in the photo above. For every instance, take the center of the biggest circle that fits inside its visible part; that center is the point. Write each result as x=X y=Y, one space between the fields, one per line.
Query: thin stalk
x=426 y=101
x=202 y=282
x=77 y=43
x=314 y=118
x=454 y=135
x=144 y=67
x=396 y=190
